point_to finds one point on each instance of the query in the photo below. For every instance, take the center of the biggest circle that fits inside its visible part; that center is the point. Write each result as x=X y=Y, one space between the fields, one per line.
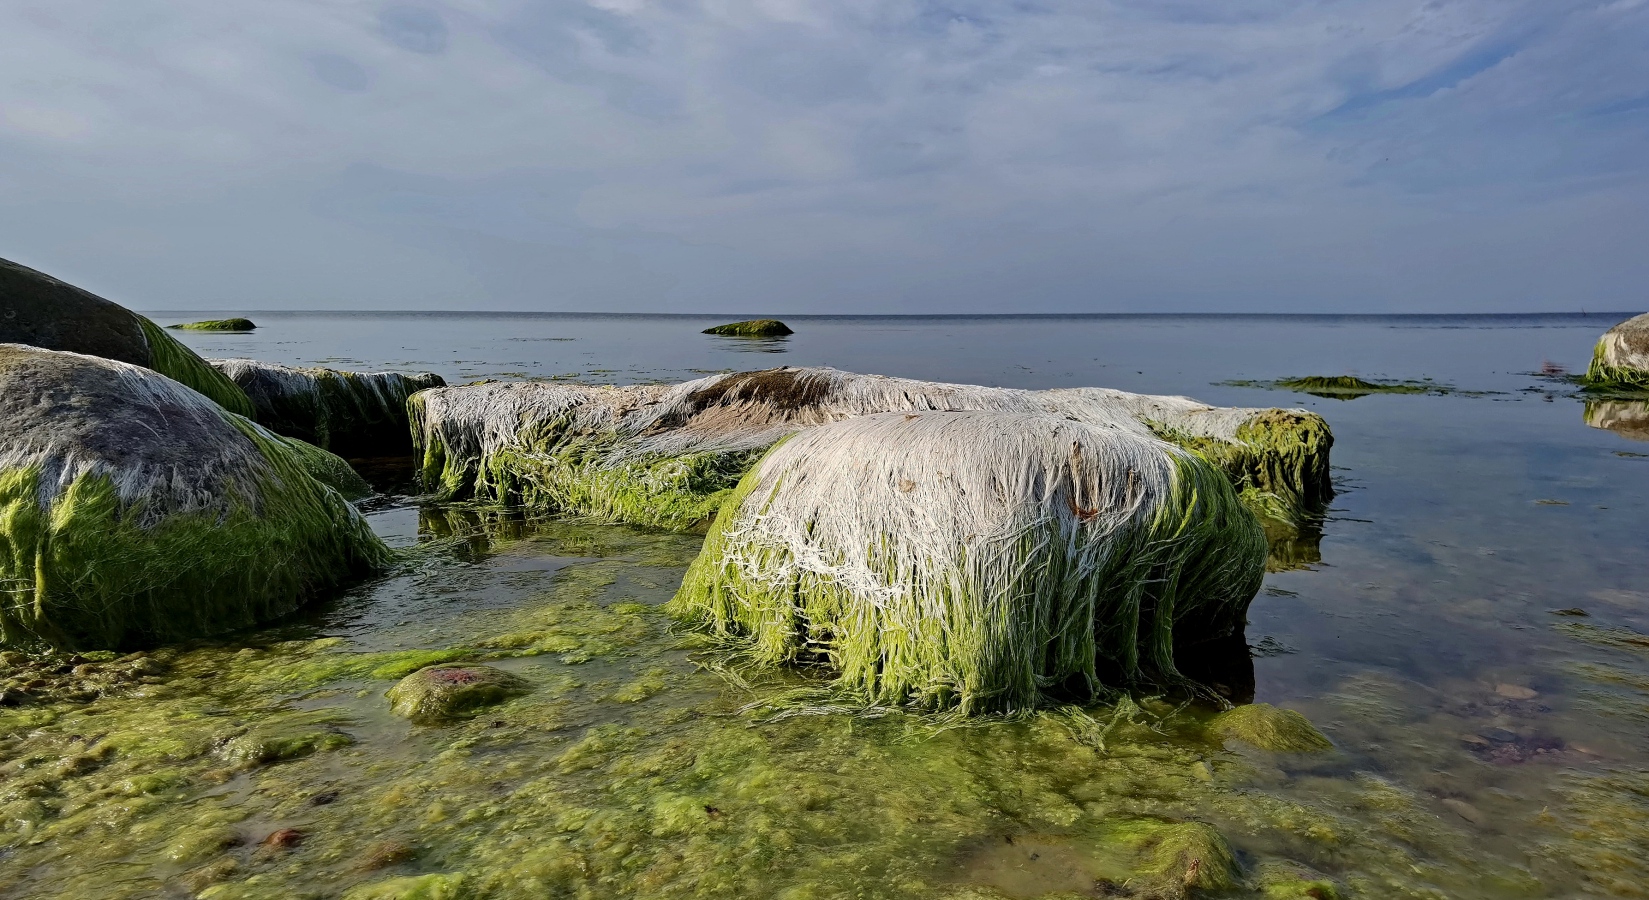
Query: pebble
x=1515 y=691
x=1466 y=811
x=284 y=839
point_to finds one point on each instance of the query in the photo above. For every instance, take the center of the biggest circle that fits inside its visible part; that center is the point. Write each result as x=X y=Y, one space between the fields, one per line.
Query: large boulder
x=134 y=510
x=350 y=413
x=39 y=310
x=986 y=561
x=667 y=455
x=1621 y=358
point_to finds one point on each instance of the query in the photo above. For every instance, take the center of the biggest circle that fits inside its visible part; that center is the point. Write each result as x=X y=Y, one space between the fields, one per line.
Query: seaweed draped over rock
x=1621 y=359
x=349 y=413
x=667 y=455
x=218 y=325
x=134 y=510
x=987 y=561
x=752 y=328
x=39 y=310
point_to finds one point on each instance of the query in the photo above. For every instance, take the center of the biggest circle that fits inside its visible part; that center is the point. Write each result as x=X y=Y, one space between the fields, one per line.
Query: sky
x=849 y=156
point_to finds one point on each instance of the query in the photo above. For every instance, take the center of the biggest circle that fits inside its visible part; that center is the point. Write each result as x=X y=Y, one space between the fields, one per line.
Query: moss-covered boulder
x=1621 y=359
x=39 y=310
x=349 y=413
x=1270 y=728
x=1190 y=856
x=444 y=693
x=232 y=325
x=667 y=455
x=985 y=561
x=764 y=328
x=133 y=510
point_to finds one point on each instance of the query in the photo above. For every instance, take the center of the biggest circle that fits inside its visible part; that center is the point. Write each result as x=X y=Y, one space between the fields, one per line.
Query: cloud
x=859 y=155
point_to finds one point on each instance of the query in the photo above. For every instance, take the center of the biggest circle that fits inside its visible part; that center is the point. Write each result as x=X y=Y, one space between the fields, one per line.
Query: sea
x=1471 y=632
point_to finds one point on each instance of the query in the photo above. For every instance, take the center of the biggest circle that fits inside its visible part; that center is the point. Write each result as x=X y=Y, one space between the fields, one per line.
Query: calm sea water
x=1488 y=744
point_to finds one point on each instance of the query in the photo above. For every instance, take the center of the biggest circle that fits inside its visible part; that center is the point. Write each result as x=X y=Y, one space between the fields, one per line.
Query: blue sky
x=781 y=156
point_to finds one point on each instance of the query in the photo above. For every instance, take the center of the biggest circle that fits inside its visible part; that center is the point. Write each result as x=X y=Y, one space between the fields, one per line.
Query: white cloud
x=1074 y=154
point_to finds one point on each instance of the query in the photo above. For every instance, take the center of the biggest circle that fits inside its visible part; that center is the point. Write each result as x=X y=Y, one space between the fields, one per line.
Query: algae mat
x=272 y=766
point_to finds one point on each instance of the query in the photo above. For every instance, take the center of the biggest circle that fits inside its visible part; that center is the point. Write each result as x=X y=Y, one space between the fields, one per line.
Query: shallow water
x=1486 y=745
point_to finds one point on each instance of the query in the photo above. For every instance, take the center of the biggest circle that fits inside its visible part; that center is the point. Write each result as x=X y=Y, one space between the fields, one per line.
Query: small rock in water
x=1570 y=611
x=442 y=693
x=385 y=854
x=284 y=839
x=1466 y=811
x=1515 y=691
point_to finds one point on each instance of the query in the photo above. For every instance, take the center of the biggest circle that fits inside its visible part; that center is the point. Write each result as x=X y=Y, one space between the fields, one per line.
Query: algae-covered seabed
x=1486 y=746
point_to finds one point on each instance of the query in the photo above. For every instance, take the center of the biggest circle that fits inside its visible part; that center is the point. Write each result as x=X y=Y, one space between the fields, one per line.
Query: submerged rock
x=1269 y=728
x=1192 y=856
x=349 y=413
x=38 y=310
x=752 y=328
x=442 y=693
x=218 y=325
x=1621 y=359
x=666 y=455
x=134 y=510
x=985 y=561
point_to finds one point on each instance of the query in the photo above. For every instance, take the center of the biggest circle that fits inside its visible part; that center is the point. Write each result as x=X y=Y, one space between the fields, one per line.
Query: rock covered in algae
x=38 y=310
x=443 y=693
x=134 y=510
x=348 y=413
x=1270 y=728
x=1192 y=856
x=752 y=328
x=236 y=324
x=978 y=560
x=666 y=455
x=1621 y=358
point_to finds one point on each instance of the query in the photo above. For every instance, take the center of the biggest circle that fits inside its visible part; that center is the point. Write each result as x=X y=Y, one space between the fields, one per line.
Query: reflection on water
x=1627 y=418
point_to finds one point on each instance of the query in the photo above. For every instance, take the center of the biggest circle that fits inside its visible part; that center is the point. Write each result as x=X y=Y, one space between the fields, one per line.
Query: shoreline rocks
x=353 y=414
x=756 y=328
x=41 y=311
x=1620 y=361
x=134 y=510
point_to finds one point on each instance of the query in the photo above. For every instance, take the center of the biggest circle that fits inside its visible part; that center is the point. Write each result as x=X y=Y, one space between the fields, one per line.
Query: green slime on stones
x=218 y=325
x=564 y=793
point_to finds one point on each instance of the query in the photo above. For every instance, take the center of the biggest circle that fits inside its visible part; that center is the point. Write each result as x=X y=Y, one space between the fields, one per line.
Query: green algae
x=1603 y=377
x=439 y=694
x=1185 y=576
x=1270 y=728
x=752 y=328
x=566 y=793
x=87 y=573
x=329 y=469
x=1278 y=463
x=1350 y=387
x=218 y=325
x=185 y=366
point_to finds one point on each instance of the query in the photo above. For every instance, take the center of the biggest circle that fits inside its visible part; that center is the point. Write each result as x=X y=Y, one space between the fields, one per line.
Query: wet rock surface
x=444 y=693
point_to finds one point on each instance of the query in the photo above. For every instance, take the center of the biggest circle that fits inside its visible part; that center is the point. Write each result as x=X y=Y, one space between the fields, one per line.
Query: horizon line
x=734 y=317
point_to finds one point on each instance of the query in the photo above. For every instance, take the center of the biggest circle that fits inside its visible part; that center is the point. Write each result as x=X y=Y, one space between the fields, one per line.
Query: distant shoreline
x=873 y=317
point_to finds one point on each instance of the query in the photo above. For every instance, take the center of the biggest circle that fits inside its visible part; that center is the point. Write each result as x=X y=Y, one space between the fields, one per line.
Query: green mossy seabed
x=1187 y=575
x=752 y=328
x=179 y=363
x=83 y=575
x=218 y=325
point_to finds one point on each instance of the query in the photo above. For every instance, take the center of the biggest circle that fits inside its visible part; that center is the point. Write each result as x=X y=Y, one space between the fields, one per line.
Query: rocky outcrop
x=352 y=414
x=1621 y=358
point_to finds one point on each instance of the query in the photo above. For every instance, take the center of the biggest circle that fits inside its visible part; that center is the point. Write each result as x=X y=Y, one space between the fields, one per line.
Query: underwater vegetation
x=218 y=325
x=981 y=561
x=43 y=312
x=668 y=455
x=1346 y=387
x=1620 y=361
x=349 y=413
x=752 y=328
x=133 y=510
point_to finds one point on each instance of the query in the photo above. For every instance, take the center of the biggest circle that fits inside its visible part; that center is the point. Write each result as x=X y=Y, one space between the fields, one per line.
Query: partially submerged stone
x=38 y=310
x=1621 y=359
x=237 y=324
x=666 y=455
x=349 y=413
x=1270 y=728
x=752 y=328
x=986 y=561
x=286 y=737
x=136 y=511
x=1192 y=856
x=443 y=693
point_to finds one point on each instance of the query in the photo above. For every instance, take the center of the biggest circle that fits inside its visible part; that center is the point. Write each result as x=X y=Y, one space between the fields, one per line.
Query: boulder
x=39 y=310
x=983 y=561
x=443 y=693
x=134 y=510
x=352 y=414
x=667 y=455
x=1621 y=359
x=752 y=328
x=236 y=325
